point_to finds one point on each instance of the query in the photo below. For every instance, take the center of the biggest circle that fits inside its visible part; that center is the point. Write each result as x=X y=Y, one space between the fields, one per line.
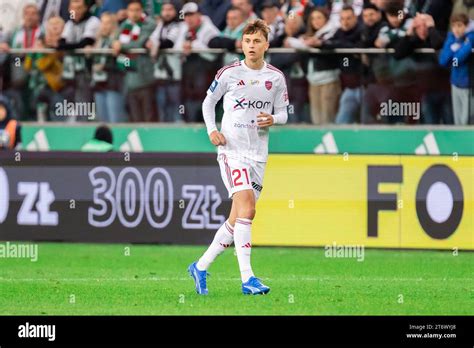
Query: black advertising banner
x=114 y=197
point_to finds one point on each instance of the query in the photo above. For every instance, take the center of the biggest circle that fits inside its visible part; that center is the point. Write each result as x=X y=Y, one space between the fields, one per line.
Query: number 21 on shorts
x=238 y=178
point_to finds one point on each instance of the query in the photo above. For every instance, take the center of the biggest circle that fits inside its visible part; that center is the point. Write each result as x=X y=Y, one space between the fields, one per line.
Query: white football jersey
x=247 y=92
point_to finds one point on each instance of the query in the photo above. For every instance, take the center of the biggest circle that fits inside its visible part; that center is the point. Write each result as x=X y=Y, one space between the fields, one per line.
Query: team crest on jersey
x=268 y=85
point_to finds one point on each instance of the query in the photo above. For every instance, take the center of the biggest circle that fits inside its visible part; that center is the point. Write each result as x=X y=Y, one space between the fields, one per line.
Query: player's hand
x=265 y=120
x=217 y=138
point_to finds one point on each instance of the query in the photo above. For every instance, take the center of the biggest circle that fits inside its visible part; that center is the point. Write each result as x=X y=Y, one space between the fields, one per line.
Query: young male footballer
x=255 y=98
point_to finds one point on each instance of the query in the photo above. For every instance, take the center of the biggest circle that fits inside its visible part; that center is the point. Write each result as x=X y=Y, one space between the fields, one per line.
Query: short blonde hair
x=52 y=21
x=55 y=20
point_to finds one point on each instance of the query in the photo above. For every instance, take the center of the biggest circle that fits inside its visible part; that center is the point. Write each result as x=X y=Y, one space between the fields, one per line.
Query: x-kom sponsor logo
x=243 y=103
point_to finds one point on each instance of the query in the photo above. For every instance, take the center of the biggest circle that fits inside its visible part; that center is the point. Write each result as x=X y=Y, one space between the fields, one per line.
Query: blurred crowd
x=324 y=88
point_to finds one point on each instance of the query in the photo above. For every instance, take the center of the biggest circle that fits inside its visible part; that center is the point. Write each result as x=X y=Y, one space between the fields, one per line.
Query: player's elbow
x=205 y=102
x=209 y=103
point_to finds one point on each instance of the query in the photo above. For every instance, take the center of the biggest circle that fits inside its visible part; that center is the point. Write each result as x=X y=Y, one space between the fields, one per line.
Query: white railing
x=22 y=51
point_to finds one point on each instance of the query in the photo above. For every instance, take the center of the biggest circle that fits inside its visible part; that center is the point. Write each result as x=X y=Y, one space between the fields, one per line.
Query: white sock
x=222 y=240
x=243 y=246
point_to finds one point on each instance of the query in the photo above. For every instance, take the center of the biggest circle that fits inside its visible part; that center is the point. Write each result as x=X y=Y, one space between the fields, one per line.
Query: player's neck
x=255 y=65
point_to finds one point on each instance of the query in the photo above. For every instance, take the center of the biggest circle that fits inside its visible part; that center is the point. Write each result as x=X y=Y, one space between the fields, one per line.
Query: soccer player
x=252 y=90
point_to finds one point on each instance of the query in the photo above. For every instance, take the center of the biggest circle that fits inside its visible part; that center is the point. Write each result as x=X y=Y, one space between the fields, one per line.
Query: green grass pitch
x=81 y=279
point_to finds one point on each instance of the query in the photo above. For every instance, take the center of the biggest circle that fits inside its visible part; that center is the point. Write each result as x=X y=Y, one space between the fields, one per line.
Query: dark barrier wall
x=111 y=197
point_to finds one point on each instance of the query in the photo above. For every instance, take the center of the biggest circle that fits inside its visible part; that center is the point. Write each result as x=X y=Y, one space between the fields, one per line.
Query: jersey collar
x=250 y=69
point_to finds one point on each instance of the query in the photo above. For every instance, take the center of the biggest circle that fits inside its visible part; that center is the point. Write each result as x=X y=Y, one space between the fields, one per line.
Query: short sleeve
x=67 y=31
x=92 y=28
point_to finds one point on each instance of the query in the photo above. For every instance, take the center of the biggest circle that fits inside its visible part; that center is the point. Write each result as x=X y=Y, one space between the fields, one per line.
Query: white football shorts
x=241 y=174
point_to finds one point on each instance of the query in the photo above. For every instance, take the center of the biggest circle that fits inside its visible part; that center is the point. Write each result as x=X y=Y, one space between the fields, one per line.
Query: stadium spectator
x=23 y=37
x=231 y=36
x=455 y=55
x=373 y=22
x=10 y=129
x=168 y=70
x=11 y=14
x=197 y=33
x=435 y=98
x=247 y=8
x=53 y=8
x=276 y=23
x=133 y=33
x=397 y=74
x=216 y=10
x=118 y=7
x=440 y=10
x=177 y=83
x=398 y=24
x=107 y=80
x=80 y=31
x=235 y=24
x=102 y=141
x=322 y=71
x=348 y=36
x=293 y=67
x=464 y=6
x=46 y=71
x=337 y=6
x=152 y=8
x=294 y=7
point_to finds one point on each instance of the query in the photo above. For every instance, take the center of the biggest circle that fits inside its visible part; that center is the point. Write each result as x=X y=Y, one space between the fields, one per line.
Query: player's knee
x=247 y=213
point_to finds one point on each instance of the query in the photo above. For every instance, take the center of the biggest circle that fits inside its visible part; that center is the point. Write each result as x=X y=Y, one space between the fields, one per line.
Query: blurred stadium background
x=107 y=167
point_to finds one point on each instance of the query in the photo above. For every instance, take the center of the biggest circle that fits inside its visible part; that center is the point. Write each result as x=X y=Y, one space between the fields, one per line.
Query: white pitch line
x=158 y=279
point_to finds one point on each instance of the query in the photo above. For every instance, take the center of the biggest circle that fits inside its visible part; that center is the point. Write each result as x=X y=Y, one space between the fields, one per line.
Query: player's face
x=254 y=46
